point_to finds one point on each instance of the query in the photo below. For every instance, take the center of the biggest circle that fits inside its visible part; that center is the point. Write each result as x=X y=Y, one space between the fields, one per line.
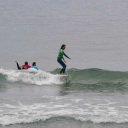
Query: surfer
x=60 y=57
x=24 y=66
x=34 y=65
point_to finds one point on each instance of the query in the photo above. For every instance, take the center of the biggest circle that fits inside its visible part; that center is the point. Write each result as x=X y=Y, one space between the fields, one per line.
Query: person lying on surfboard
x=61 y=60
x=34 y=65
x=24 y=66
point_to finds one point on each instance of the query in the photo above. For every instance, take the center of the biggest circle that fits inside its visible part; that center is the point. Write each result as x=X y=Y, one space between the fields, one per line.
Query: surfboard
x=62 y=75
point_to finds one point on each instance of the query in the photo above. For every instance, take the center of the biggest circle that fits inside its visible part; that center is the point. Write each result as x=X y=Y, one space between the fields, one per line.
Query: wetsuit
x=25 y=66
x=59 y=59
x=34 y=67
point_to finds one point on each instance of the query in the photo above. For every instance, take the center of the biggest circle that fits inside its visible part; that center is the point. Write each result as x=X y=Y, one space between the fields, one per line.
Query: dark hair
x=26 y=62
x=34 y=63
x=62 y=46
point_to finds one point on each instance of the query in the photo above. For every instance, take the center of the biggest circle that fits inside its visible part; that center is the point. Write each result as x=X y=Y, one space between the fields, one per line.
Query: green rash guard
x=61 y=53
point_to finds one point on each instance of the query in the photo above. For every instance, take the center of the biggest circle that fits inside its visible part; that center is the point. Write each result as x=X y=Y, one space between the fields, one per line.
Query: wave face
x=87 y=79
x=95 y=74
x=98 y=80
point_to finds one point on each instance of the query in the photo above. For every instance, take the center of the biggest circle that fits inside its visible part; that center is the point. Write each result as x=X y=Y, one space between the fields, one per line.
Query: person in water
x=61 y=60
x=34 y=65
x=24 y=66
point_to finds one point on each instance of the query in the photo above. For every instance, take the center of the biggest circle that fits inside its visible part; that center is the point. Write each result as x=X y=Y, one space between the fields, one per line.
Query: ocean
x=94 y=95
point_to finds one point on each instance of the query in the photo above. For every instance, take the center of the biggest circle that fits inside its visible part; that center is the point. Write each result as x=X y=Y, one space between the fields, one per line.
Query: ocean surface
x=95 y=93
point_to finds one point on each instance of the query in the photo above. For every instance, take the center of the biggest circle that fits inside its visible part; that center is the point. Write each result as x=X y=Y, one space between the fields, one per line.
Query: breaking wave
x=30 y=76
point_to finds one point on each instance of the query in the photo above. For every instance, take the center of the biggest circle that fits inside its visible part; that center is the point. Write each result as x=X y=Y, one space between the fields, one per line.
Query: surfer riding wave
x=61 y=60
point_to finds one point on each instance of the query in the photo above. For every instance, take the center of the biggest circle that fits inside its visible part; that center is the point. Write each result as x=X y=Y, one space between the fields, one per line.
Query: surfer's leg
x=63 y=65
x=60 y=62
x=18 y=65
x=64 y=68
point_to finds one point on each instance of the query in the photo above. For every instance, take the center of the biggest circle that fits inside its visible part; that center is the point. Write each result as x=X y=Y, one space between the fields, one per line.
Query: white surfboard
x=62 y=75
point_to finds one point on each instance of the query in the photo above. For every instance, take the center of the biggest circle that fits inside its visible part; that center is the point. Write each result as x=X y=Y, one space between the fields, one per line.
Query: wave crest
x=30 y=76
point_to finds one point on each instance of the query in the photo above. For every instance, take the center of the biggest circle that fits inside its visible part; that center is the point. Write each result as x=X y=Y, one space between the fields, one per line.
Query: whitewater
x=30 y=76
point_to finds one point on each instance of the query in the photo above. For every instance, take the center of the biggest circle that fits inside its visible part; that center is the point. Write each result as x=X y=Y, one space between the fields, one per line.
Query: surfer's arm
x=63 y=59
x=67 y=56
x=37 y=68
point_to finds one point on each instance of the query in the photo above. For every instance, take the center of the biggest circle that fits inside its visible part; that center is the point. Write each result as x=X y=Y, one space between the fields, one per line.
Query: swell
x=97 y=80
x=85 y=79
x=95 y=74
x=77 y=75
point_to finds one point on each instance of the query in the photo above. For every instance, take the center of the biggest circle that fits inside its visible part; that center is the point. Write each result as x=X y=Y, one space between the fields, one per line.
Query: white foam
x=31 y=76
x=42 y=111
x=34 y=113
